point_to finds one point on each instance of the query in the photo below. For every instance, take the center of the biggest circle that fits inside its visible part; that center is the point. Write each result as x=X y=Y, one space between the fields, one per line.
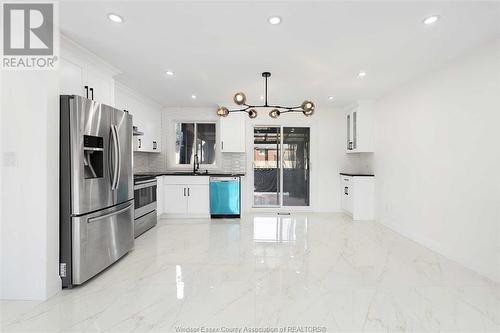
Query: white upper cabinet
x=71 y=78
x=359 y=128
x=101 y=87
x=146 y=115
x=232 y=133
x=83 y=73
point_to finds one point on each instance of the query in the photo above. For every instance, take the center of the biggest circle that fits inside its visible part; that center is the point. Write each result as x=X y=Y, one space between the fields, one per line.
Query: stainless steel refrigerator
x=96 y=188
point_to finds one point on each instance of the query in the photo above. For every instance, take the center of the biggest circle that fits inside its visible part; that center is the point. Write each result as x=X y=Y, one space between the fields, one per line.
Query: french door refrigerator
x=96 y=188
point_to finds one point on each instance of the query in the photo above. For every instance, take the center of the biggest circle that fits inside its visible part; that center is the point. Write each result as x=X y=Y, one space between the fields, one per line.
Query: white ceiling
x=218 y=48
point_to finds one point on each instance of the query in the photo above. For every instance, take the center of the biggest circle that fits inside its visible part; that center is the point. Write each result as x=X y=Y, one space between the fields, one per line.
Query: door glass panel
x=184 y=143
x=296 y=166
x=206 y=143
x=266 y=164
x=354 y=130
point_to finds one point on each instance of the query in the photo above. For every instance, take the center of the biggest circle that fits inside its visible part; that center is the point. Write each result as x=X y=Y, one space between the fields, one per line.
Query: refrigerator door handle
x=102 y=217
x=114 y=183
x=119 y=157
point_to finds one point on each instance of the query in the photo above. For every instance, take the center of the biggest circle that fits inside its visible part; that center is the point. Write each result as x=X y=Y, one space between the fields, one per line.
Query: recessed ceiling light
x=330 y=98
x=361 y=74
x=431 y=20
x=261 y=97
x=274 y=20
x=193 y=96
x=169 y=73
x=115 y=18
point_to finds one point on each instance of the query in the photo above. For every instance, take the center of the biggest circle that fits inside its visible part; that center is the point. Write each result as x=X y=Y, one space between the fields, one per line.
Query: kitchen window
x=193 y=138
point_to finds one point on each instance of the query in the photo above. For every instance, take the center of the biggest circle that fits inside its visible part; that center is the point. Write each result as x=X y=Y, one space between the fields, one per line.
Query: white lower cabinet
x=357 y=196
x=175 y=199
x=198 y=200
x=186 y=196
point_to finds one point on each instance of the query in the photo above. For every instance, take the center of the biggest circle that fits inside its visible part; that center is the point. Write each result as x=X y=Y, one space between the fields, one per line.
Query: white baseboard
x=184 y=216
x=436 y=247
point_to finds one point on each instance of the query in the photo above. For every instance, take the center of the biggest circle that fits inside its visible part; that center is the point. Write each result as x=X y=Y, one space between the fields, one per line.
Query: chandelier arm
x=248 y=106
x=240 y=110
x=285 y=107
x=291 y=110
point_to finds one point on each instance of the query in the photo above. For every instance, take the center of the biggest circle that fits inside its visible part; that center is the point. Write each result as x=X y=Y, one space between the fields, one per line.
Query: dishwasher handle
x=224 y=179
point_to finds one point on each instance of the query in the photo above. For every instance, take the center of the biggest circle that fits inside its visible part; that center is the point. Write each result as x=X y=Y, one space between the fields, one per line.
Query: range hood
x=136 y=132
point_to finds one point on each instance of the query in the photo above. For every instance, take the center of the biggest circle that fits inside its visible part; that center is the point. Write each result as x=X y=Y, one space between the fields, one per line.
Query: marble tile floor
x=269 y=272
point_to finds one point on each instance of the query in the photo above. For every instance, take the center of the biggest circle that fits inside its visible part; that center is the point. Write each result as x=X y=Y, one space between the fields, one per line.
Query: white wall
x=437 y=161
x=30 y=185
x=29 y=229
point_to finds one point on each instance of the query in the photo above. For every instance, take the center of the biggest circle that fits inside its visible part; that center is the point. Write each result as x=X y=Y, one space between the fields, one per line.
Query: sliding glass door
x=266 y=166
x=281 y=166
x=295 y=166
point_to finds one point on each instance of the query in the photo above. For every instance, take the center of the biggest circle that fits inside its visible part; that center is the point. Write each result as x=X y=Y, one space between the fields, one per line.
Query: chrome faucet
x=196 y=164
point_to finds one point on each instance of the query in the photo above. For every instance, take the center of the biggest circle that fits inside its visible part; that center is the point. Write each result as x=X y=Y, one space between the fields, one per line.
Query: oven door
x=144 y=197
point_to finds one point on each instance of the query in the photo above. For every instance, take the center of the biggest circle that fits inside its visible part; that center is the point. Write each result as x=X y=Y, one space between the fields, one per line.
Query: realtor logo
x=28 y=36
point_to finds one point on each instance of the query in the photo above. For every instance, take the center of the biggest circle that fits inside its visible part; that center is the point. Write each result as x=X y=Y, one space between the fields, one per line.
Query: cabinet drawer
x=185 y=180
x=346 y=180
x=101 y=238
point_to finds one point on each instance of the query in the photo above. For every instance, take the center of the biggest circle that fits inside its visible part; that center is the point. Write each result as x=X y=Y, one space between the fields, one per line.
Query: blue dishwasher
x=224 y=197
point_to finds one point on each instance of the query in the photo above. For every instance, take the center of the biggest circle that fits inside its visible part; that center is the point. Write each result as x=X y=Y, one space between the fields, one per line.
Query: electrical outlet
x=10 y=160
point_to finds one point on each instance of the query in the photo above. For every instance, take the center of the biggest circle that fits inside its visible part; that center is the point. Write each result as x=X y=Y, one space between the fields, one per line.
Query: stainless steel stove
x=145 y=203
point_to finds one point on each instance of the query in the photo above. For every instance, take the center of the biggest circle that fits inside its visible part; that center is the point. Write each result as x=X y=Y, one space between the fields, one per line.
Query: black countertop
x=180 y=173
x=357 y=174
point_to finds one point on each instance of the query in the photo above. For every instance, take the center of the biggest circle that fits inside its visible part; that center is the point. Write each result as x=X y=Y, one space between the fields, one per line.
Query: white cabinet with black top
x=186 y=196
x=359 y=128
x=357 y=195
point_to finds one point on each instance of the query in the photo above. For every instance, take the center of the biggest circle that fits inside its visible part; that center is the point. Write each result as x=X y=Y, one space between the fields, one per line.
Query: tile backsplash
x=154 y=162
x=358 y=163
x=149 y=162
x=233 y=162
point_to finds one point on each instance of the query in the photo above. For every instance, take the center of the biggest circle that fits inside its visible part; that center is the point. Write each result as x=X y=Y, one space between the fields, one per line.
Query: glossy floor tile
x=270 y=272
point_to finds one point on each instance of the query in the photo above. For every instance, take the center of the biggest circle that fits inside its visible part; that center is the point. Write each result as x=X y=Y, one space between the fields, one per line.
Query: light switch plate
x=10 y=159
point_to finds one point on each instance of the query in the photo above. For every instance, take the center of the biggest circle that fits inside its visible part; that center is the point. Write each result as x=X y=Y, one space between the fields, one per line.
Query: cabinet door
x=175 y=199
x=156 y=131
x=232 y=134
x=159 y=195
x=198 y=199
x=354 y=130
x=71 y=78
x=348 y=131
x=103 y=87
x=346 y=193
